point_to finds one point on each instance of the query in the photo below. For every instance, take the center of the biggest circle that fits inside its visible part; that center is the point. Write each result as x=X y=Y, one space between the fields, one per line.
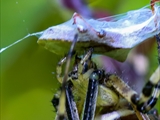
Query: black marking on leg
x=85 y=67
x=55 y=102
x=144 y=107
x=62 y=103
x=61 y=117
x=87 y=63
x=147 y=90
x=91 y=97
x=140 y=107
x=151 y=103
x=71 y=109
x=153 y=100
x=135 y=99
x=158 y=86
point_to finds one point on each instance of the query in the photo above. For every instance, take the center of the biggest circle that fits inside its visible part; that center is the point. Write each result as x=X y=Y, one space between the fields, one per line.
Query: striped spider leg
x=150 y=94
x=79 y=68
x=85 y=84
x=90 y=81
x=64 y=92
x=154 y=82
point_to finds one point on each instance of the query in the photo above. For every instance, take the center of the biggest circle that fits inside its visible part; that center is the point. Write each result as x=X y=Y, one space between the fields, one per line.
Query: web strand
x=29 y=35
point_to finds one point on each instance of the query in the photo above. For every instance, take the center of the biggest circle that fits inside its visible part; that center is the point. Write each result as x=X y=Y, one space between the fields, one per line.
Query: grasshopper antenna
x=62 y=102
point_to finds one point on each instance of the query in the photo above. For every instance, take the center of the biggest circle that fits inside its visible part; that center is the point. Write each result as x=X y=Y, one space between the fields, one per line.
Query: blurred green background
x=27 y=79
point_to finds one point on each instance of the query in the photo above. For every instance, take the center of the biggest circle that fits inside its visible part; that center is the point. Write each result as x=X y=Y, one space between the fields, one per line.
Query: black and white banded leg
x=152 y=85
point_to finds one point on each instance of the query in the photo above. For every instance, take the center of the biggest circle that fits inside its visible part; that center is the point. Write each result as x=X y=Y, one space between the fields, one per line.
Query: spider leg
x=152 y=85
x=71 y=108
x=86 y=62
x=124 y=90
x=139 y=102
x=83 y=66
x=62 y=100
x=91 y=97
x=124 y=114
x=59 y=69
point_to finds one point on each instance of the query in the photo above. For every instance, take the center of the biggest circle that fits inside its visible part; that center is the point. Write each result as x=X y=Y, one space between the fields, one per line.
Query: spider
x=107 y=95
x=88 y=91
